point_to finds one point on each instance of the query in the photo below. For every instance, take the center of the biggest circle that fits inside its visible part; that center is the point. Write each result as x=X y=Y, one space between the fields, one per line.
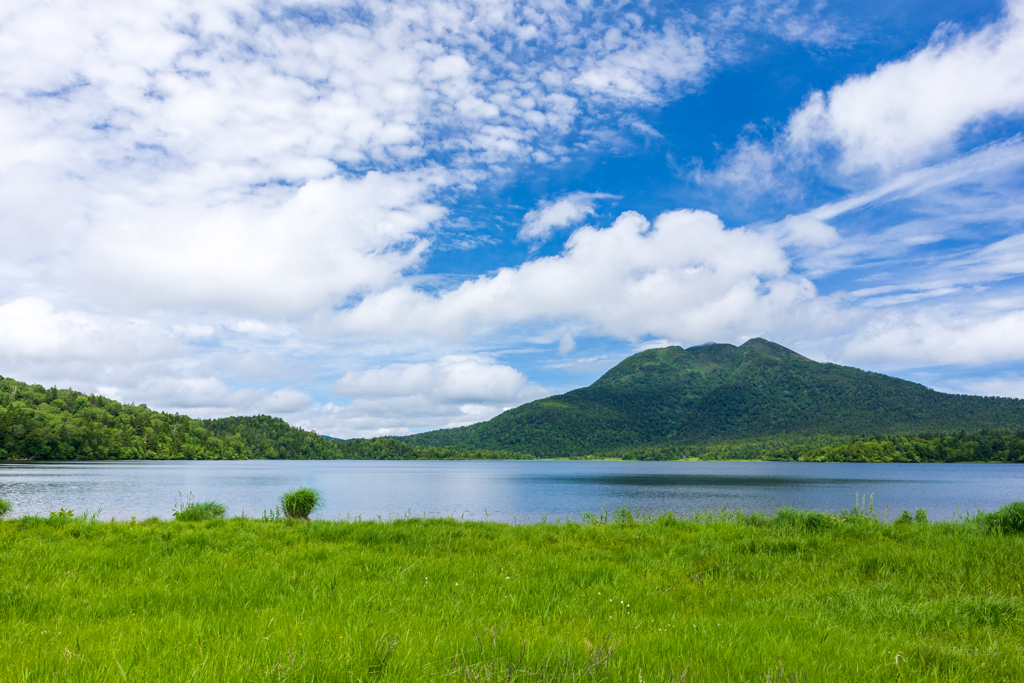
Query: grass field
x=795 y=597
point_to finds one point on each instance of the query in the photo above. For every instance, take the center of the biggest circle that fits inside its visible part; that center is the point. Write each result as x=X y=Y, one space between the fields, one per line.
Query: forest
x=62 y=424
x=37 y=423
x=986 y=445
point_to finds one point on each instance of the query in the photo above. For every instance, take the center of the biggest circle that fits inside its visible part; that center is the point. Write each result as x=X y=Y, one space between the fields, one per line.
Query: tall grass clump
x=300 y=503
x=188 y=510
x=5 y=507
x=1007 y=519
x=811 y=520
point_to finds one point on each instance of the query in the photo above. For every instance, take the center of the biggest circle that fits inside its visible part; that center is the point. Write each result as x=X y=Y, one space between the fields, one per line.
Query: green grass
x=300 y=503
x=1007 y=519
x=188 y=510
x=798 y=596
x=5 y=507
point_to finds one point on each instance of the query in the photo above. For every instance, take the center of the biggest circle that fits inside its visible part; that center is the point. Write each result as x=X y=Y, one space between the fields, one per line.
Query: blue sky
x=387 y=217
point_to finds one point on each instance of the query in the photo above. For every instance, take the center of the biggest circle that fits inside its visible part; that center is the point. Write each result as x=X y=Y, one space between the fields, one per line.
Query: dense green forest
x=986 y=445
x=717 y=400
x=62 y=424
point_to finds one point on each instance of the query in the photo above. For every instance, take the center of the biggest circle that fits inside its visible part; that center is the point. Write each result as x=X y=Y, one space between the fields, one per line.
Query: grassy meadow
x=794 y=597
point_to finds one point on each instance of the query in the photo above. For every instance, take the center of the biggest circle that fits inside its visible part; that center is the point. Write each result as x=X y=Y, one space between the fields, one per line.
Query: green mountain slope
x=716 y=392
x=62 y=424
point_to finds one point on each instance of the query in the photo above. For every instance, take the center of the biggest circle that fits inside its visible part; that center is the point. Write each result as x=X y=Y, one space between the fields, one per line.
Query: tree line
x=986 y=445
x=37 y=423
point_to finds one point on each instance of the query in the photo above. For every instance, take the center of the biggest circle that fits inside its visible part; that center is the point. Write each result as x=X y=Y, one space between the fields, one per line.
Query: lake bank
x=419 y=600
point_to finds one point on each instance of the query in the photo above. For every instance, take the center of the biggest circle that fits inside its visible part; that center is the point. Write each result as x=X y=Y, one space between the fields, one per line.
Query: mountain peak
x=771 y=349
x=675 y=365
x=707 y=393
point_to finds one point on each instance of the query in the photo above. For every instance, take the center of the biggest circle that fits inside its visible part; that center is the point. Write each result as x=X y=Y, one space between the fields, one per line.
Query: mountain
x=717 y=392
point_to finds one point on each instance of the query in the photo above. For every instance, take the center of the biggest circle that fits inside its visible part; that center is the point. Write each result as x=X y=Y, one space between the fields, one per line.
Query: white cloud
x=451 y=379
x=686 y=277
x=403 y=397
x=331 y=239
x=640 y=67
x=750 y=164
x=239 y=157
x=32 y=330
x=566 y=343
x=912 y=109
x=906 y=114
x=1011 y=386
x=939 y=335
x=540 y=223
x=204 y=397
x=936 y=203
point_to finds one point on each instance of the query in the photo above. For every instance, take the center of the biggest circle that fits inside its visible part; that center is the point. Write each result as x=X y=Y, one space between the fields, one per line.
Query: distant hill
x=759 y=400
x=716 y=392
x=37 y=423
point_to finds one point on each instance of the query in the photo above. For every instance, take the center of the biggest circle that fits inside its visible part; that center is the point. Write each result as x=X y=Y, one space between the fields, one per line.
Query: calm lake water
x=523 y=491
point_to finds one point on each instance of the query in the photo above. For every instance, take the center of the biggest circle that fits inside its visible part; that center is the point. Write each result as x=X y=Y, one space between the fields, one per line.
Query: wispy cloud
x=540 y=223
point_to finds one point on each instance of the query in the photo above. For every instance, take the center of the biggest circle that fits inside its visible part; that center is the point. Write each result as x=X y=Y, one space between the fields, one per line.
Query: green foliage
x=809 y=520
x=1007 y=519
x=988 y=445
x=5 y=507
x=722 y=401
x=188 y=510
x=62 y=516
x=62 y=424
x=300 y=503
x=625 y=515
x=273 y=515
x=659 y=599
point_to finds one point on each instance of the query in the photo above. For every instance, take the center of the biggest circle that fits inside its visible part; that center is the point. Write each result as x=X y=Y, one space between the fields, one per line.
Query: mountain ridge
x=710 y=392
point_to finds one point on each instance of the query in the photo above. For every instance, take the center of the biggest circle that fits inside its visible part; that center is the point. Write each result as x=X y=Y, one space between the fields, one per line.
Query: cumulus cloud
x=686 y=277
x=330 y=239
x=452 y=391
x=938 y=335
x=1011 y=386
x=451 y=379
x=263 y=159
x=33 y=330
x=549 y=216
x=906 y=113
x=909 y=110
x=210 y=397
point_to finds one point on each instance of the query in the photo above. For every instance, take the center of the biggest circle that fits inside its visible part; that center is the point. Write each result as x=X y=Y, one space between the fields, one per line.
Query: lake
x=507 y=491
